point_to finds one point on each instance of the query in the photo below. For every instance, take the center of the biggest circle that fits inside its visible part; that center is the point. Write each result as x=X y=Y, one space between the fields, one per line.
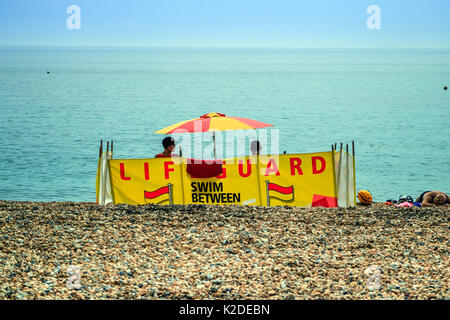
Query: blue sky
x=227 y=23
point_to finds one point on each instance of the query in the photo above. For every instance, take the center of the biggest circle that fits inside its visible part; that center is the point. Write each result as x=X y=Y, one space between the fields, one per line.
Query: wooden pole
x=267 y=191
x=112 y=143
x=97 y=180
x=101 y=148
x=347 y=182
x=170 y=193
x=354 y=172
x=107 y=146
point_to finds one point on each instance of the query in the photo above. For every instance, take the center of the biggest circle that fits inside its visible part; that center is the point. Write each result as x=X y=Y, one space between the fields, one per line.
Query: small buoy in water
x=445 y=88
x=48 y=72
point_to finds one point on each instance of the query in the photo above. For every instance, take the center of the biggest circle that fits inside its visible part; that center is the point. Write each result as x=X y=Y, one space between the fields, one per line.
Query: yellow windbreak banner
x=298 y=180
x=141 y=181
x=294 y=180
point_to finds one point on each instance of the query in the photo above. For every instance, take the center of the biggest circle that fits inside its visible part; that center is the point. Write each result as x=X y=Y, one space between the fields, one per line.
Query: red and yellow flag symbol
x=284 y=194
x=163 y=192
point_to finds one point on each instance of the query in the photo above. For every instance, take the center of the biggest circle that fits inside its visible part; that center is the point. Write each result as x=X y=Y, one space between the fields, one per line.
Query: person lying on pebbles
x=431 y=198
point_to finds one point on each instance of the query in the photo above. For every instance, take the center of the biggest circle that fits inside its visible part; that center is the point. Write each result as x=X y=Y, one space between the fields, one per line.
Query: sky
x=227 y=23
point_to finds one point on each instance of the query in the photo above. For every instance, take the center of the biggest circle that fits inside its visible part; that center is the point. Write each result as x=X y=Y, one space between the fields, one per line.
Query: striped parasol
x=211 y=122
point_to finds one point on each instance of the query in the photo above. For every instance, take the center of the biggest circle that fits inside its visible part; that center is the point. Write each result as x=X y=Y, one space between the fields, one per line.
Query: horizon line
x=214 y=47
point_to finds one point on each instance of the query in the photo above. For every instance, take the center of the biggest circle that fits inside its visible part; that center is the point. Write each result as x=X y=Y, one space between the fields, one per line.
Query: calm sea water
x=391 y=102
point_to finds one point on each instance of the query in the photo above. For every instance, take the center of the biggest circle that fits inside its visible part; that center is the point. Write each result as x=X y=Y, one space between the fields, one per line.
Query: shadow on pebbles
x=63 y=250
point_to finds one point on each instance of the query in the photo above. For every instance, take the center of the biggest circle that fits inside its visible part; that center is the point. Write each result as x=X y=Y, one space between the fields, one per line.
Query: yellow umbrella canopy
x=211 y=122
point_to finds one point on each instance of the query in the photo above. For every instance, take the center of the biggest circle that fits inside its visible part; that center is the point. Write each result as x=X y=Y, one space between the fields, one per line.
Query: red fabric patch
x=205 y=169
x=162 y=155
x=324 y=201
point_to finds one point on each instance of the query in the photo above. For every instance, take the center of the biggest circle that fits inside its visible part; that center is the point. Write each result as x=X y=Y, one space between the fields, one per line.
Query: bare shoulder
x=433 y=194
x=428 y=199
x=430 y=195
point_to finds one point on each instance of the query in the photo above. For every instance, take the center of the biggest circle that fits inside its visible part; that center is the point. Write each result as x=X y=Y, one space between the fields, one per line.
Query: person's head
x=255 y=147
x=168 y=144
x=440 y=199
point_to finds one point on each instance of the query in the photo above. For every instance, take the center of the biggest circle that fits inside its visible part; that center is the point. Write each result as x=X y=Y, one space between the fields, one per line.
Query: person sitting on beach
x=431 y=198
x=168 y=144
x=255 y=147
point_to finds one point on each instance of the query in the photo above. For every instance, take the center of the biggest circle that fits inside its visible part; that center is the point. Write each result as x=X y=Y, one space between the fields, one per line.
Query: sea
x=56 y=104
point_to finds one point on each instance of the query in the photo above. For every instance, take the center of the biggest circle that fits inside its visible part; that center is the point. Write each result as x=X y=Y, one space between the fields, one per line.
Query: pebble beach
x=222 y=252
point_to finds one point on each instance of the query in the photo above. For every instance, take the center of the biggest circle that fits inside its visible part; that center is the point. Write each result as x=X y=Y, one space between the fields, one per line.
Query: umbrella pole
x=214 y=141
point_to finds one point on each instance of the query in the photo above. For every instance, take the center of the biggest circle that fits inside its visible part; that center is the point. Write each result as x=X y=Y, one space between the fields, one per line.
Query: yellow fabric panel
x=305 y=185
x=132 y=191
x=223 y=124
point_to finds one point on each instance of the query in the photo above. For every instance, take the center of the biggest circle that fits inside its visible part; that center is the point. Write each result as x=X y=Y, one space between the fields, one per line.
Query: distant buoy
x=48 y=72
x=445 y=88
